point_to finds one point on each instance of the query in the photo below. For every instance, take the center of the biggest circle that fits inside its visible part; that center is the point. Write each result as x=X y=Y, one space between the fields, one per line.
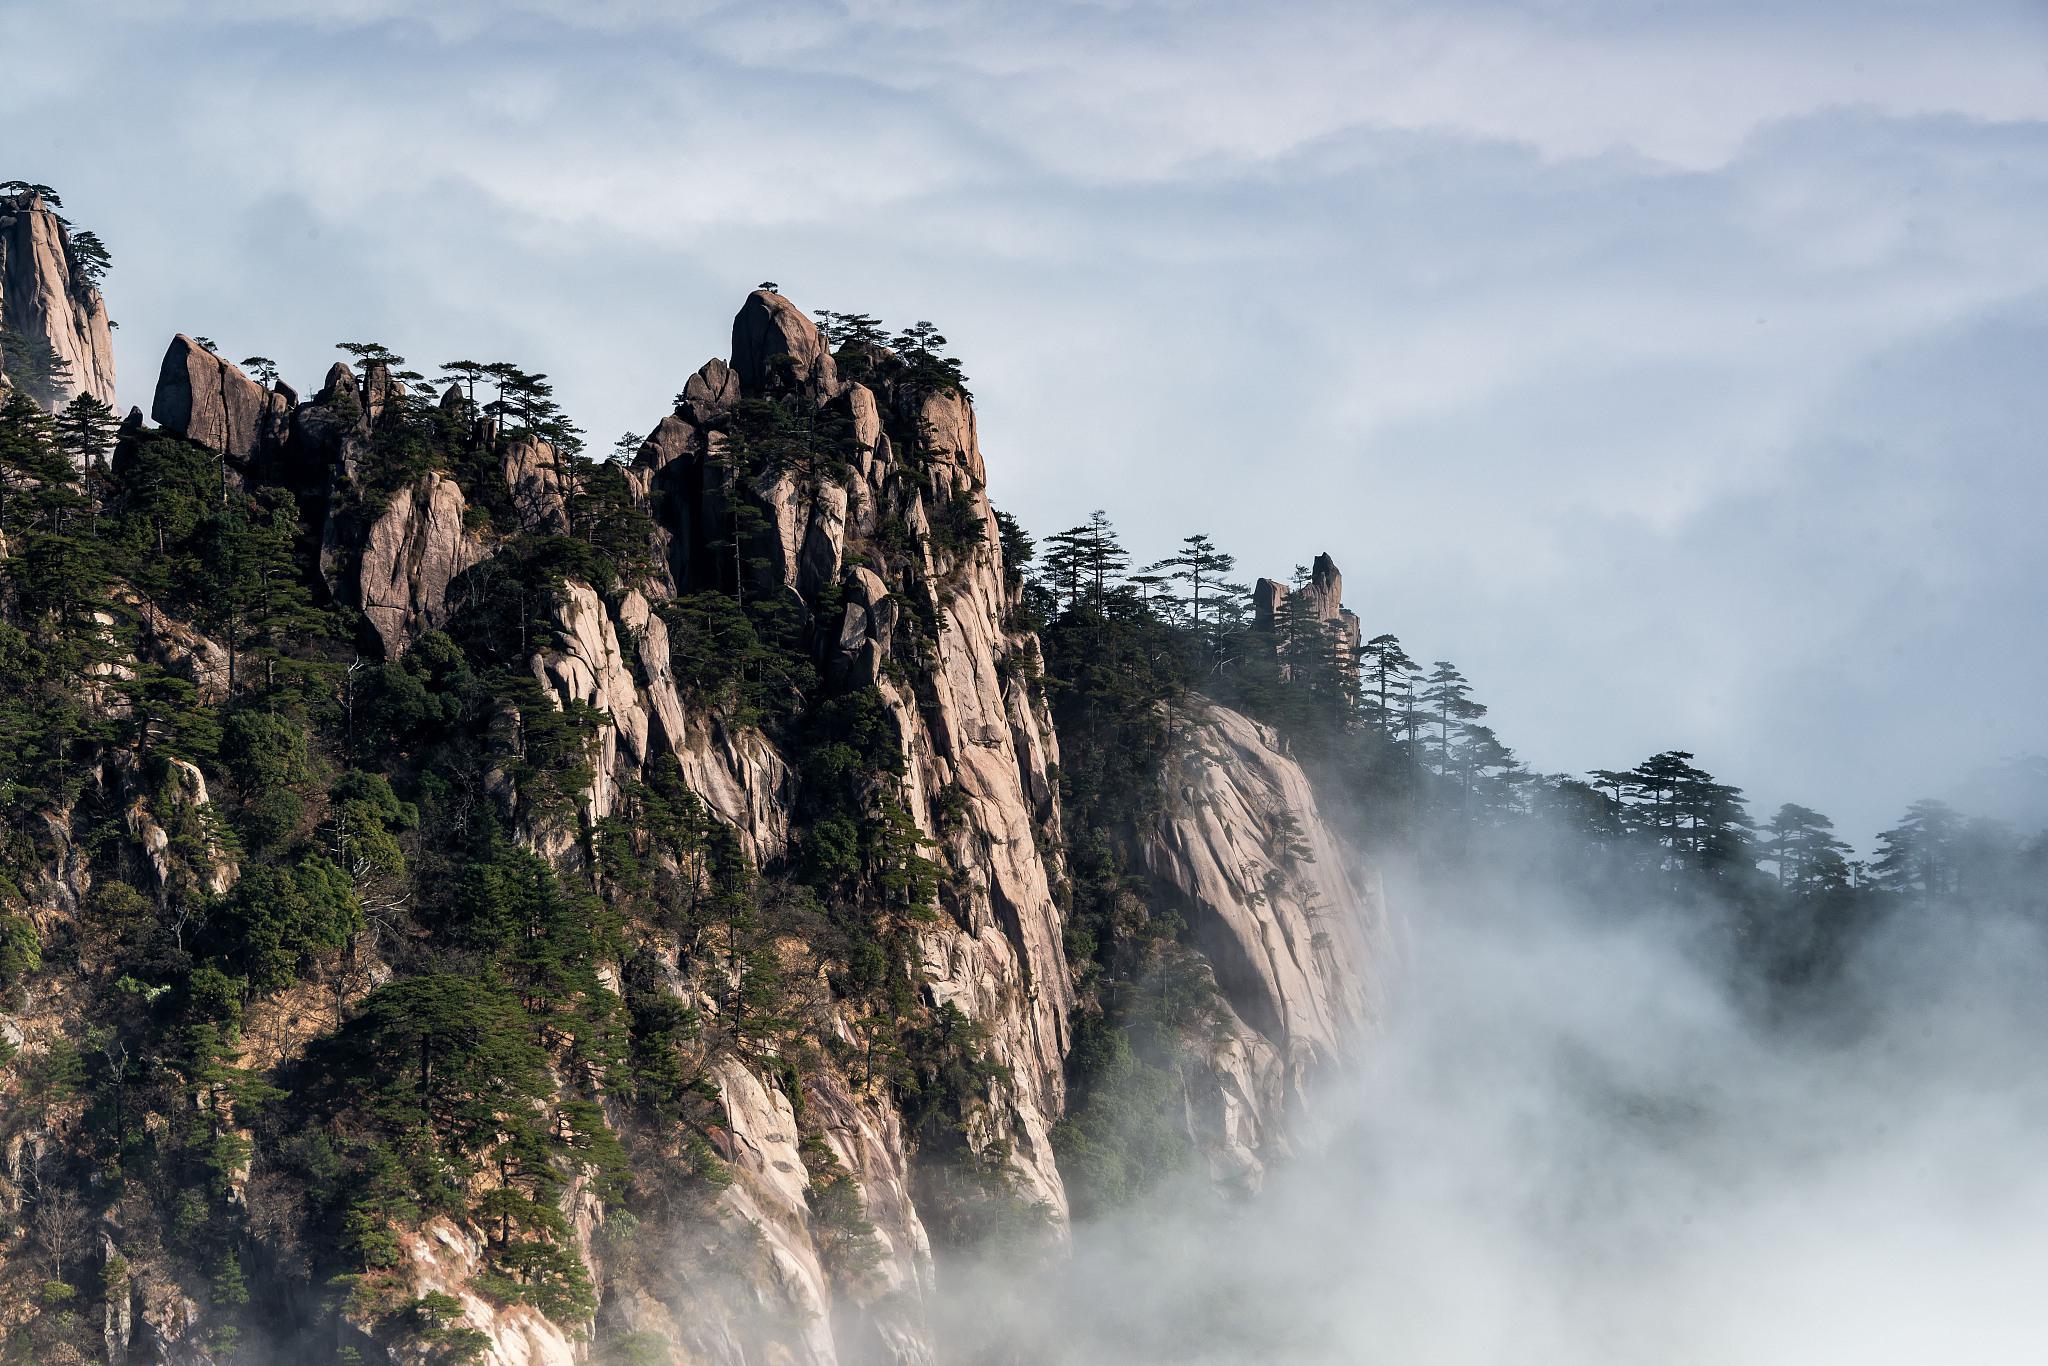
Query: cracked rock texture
x=415 y=549
x=47 y=297
x=1292 y=921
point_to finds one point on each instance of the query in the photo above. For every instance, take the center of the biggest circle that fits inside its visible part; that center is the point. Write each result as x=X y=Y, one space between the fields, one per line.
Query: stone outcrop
x=178 y=647
x=534 y=475
x=972 y=731
x=445 y=1258
x=47 y=298
x=1292 y=925
x=176 y=806
x=709 y=394
x=1267 y=597
x=1292 y=922
x=1324 y=595
x=928 y=626
x=415 y=549
x=775 y=345
x=1326 y=591
x=204 y=399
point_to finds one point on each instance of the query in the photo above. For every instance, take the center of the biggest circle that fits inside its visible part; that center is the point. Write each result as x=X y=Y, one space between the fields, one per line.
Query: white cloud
x=1508 y=308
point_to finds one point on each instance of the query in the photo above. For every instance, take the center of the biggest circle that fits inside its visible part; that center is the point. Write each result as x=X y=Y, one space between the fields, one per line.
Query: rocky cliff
x=50 y=304
x=791 y=612
x=1292 y=921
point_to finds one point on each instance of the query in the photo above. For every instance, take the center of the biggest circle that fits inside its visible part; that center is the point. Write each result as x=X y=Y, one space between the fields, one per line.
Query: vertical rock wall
x=46 y=297
x=1292 y=921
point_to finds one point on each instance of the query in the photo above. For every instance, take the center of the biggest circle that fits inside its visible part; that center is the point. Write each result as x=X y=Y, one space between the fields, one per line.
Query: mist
x=1582 y=1136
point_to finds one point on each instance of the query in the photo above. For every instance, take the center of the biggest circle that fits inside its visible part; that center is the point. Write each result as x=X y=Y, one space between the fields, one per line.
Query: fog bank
x=1576 y=1143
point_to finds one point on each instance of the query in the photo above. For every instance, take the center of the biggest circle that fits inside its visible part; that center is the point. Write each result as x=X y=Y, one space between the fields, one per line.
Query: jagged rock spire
x=47 y=298
x=1325 y=590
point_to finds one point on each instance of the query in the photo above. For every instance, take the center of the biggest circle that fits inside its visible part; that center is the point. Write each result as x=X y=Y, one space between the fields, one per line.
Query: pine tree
x=1800 y=845
x=1490 y=777
x=1060 y=567
x=33 y=367
x=1103 y=559
x=1694 y=821
x=1445 y=702
x=1389 y=685
x=1201 y=570
x=1084 y=562
x=1918 y=856
x=85 y=431
x=90 y=257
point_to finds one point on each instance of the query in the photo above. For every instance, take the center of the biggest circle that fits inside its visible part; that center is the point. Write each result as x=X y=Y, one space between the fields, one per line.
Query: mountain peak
x=775 y=346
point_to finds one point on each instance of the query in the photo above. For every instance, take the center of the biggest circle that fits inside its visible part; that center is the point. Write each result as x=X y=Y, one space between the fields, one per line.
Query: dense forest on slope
x=452 y=888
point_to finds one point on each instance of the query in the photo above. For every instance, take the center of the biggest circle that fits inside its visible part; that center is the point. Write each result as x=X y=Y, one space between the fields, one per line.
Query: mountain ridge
x=756 y=705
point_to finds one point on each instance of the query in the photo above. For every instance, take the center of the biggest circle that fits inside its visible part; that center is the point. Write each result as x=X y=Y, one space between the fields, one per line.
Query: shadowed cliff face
x=886 y=561
x=47 y=299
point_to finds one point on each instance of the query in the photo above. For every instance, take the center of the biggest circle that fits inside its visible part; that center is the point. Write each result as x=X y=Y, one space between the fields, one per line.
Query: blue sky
x=1673 y=368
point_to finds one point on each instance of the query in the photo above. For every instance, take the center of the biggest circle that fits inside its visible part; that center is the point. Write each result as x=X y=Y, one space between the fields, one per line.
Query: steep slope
x=1292 y=921
x=49 y=302
x=691 y=828
x=975 y=740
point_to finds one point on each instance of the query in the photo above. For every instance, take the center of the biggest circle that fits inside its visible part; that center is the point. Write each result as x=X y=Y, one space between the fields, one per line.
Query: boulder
x=672 y=439
x=204 y=399
x=709 y=394
x=774 y=346
x=533 y=473
x=867 y=423
x=824 y=542
x=782 y=499
x=867 y=594
x=340 y=382
x=380 y=391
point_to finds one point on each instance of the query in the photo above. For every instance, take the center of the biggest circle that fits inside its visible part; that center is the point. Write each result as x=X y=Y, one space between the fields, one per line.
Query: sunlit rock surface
x=1291 y=920
x=47 y=298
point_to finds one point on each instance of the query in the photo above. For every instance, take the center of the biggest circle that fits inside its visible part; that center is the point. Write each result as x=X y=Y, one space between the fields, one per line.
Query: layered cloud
x=1666 y=366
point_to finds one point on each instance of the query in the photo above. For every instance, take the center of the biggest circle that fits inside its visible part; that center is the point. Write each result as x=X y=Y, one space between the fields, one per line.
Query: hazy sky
x=1675 y=368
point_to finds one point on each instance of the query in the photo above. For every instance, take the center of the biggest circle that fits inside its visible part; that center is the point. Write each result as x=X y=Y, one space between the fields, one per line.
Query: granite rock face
x=48 y=298
x=417 y=547
x=774 y=345
x=534 y=474
x=1292 y=921
x=209 y=402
